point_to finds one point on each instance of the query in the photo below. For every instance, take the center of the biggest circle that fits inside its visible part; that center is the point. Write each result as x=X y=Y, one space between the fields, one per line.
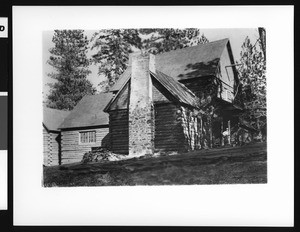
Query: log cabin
x=175 y=101
x=51 y=135
x=85 y=128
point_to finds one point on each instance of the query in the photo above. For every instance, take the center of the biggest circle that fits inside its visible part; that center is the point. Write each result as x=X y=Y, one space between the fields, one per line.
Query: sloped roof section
x=88 y=112
x=122 y=80
x=52 y=118
x=191 y=62
x=185 y=63
x=178 y=90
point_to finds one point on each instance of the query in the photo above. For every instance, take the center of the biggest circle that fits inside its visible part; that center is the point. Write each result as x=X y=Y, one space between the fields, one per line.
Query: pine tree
x=252 y=72
x=114 y=46
x=70 y=62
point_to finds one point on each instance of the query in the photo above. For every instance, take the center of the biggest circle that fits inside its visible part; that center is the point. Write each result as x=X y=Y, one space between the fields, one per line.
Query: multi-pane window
x=88 y=137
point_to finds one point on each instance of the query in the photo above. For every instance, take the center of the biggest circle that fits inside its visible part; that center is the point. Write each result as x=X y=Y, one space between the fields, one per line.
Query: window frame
x=86 y=132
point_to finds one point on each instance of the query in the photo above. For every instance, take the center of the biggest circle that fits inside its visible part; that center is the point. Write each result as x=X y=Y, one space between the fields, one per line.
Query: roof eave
x=174 y=95
x=84 y=127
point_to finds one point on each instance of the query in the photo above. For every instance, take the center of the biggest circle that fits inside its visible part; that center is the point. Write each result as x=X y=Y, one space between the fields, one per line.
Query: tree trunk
x=262 y=35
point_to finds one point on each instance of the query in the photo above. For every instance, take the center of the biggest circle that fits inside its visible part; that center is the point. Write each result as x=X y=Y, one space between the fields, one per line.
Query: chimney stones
x=141 y=110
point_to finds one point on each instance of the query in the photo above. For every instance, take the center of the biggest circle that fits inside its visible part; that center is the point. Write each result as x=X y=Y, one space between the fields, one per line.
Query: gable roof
x=88 y=112
x=178 y=90
x=52 y=118
x=185 y=63
x=191 y=62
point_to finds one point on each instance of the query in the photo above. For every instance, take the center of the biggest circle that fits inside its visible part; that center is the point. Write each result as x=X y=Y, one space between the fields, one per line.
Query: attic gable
x=174 y=91
x=191 y=62
x=186 y=63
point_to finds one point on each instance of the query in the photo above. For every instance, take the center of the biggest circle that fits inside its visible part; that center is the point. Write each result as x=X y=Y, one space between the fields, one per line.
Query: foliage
x=114 y=46
x=69 y=59
x=167 y=39
x=252 y=72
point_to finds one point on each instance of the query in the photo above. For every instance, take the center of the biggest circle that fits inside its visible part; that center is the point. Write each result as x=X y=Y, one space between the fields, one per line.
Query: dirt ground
x=230 y=165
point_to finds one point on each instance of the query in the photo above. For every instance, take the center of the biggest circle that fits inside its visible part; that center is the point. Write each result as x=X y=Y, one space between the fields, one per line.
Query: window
x=88 y=137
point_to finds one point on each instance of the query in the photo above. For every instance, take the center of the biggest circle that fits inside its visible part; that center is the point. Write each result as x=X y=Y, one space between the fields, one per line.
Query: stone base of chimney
x=141 y=125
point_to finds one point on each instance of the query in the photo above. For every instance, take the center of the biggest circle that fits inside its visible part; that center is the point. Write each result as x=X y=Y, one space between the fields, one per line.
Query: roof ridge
x=215 y=41
x=190 y=47
x=175 y=63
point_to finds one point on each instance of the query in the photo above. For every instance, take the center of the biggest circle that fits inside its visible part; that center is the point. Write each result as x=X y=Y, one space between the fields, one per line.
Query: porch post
x=229 y=139
x=222 y=138
x=210 y=133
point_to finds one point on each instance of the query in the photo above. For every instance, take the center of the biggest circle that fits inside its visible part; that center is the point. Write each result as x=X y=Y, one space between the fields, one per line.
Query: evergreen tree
x=252 y=72
x=114 y=45
x=70 y=62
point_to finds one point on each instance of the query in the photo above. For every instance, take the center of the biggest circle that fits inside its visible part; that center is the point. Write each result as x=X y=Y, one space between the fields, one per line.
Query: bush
x=99 y=155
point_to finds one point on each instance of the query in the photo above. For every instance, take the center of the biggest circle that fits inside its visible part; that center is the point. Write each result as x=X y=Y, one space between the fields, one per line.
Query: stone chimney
x=141 y=110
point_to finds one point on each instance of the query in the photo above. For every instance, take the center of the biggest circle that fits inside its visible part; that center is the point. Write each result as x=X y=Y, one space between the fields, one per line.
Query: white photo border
x=270 y=204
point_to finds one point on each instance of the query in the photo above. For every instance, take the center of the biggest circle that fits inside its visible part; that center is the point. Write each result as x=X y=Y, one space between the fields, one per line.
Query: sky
x=236 y=37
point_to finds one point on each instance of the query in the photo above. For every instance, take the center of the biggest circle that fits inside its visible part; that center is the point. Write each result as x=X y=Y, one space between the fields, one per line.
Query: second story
x=206 y=69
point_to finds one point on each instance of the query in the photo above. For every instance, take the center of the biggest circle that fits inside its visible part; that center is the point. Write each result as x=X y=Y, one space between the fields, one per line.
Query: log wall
x=119 y=132
x=73 y=150
x=51 y=143
x=168 y=130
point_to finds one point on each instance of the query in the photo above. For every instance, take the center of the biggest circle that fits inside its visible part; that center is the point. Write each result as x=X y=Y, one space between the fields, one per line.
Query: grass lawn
x=231 y=165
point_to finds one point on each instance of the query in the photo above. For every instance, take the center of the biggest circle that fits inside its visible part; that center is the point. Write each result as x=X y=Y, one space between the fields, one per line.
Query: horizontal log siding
x=119 y=131
x=168 y=130
x=72 y=150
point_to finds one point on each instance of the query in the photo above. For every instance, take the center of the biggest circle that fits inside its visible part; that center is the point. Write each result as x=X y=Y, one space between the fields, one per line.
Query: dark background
x=6 y=216
x=3 y=122
x=3 y=64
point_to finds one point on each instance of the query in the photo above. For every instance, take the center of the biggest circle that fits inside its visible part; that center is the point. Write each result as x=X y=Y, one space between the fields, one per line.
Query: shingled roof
x=88 y=112
x=178 y=90
x=191 y=62
x=185 y=63
x=181 y=93
x=52 y=118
